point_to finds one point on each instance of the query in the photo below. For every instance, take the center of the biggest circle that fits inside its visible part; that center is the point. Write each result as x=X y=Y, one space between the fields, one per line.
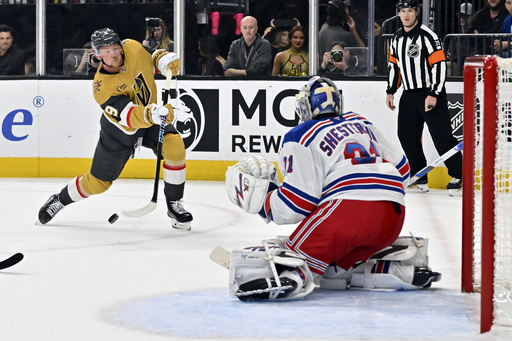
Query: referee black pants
x=411 y=119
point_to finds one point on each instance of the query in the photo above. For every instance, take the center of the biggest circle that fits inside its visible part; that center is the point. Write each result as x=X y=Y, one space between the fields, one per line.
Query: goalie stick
x=220 y=256
x=13 y=260
x=434 y=164
x=151 y=206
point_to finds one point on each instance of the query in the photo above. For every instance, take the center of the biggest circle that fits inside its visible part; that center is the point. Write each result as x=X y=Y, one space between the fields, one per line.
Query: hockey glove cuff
x=165 y=61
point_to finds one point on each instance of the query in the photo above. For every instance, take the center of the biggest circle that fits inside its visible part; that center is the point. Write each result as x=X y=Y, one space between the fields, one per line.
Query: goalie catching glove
x=249 y=182
x=155 y=114
x=164 y=61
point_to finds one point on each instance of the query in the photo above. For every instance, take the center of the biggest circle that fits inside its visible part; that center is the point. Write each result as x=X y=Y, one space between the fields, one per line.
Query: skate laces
x=54 y=207
x=178 y=207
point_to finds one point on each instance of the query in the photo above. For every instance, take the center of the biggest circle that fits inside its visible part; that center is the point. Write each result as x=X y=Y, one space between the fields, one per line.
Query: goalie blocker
x=270 y=272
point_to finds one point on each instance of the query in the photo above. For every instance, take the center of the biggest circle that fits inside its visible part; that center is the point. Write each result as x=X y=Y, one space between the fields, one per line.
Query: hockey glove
x=155 y=113
x=247 y=182
x=165 y=61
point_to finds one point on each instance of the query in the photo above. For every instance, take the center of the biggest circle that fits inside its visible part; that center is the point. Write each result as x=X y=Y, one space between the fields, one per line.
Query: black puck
x=113 y=218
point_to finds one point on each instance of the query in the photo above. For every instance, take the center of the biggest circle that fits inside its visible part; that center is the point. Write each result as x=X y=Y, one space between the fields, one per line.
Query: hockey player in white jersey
x=344 y=183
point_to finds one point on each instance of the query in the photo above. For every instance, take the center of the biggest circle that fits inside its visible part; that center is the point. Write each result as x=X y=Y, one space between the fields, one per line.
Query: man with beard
x=489 y=19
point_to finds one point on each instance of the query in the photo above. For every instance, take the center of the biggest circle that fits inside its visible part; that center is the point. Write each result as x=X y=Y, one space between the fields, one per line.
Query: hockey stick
x=434 y=164
x=220 y=256
x=151 y=206
x=13 y=260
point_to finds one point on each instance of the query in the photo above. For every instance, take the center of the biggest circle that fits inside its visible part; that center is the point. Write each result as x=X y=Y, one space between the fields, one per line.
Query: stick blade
x=150 y=207
x=13 y=260
x=220 y=256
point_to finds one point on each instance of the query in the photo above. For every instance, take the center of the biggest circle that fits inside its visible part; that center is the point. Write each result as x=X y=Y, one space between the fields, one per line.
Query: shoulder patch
x=96 y=85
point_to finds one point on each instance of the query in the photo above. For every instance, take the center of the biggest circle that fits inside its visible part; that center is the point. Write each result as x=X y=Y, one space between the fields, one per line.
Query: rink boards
x=50 y=127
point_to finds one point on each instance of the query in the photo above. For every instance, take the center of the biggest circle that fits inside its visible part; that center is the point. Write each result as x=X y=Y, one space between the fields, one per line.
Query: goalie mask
x=319 y=97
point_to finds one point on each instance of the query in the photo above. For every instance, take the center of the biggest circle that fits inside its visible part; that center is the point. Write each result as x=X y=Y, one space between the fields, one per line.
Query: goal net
x=487 y=187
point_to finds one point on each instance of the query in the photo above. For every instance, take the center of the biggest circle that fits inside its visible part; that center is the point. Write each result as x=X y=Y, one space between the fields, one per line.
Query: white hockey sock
x=75 y=191
x=175 y=175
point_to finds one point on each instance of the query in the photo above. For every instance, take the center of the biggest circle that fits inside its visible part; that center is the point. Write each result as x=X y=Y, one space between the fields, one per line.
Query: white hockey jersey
x=343 y=157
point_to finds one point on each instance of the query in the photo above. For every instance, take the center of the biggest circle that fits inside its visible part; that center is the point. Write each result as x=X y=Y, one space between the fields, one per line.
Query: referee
x=418 y=63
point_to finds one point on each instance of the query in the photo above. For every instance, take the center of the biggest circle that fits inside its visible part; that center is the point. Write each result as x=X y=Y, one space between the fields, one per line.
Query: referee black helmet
x=408 y=4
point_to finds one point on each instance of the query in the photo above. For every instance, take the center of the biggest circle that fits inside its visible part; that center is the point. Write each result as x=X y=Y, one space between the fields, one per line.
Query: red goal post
x=487 y=187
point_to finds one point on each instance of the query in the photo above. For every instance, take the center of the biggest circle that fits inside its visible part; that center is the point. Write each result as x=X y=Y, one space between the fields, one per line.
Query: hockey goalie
x=344 y=184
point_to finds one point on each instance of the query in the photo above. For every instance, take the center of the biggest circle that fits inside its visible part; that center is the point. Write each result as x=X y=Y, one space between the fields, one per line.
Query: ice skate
x=454 y=187
x=50 y=208
x=181 y=219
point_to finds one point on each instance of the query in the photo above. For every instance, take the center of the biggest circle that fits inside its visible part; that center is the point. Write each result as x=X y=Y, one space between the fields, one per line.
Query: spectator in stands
x=489 y=19
x=295 y=60
x=30 y=66
x=335 y=61
x=211 y=63
x=460 y=48
x=503 y=47
x=279 y=34
x=281 y=42
x=12 y=59
x=88 y=64
x=249 y=55
x=353 y=23
x=465 y=15
x=163 y=41
x=378 y=50
x=377 y=28
x=332 y=30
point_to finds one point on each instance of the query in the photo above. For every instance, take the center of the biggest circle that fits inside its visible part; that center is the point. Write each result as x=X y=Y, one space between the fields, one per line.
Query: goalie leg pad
x=383 y=275
x=251 y=275
x=266 y=288
x=408 y=250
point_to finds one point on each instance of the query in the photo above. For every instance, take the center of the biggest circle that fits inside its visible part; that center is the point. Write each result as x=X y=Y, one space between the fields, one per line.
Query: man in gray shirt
x=249 y=55
x=332 y=30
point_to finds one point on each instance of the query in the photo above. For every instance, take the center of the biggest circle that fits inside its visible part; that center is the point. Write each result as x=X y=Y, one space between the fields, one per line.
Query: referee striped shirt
x=417 y=61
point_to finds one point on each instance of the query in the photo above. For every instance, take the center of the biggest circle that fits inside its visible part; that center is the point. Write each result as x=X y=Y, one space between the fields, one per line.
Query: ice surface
x=139 y=279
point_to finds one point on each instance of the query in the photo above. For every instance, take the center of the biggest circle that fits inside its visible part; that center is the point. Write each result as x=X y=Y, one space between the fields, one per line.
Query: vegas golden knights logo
x=142 y=93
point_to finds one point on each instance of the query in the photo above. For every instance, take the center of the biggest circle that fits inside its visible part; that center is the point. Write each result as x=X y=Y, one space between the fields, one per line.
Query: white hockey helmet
x=320 y=96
